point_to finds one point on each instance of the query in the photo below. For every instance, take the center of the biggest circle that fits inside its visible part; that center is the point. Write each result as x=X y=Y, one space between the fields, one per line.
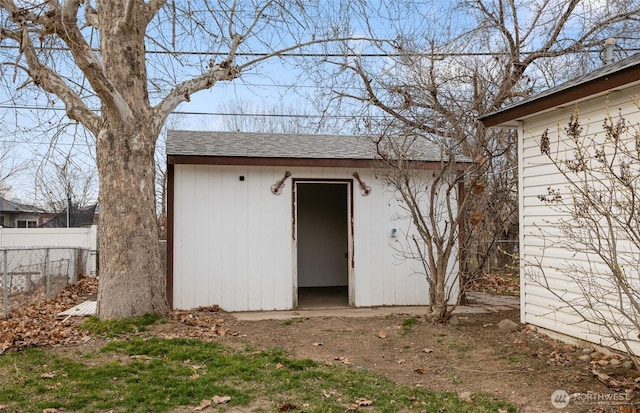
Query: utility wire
x=196 y=113
x=300 y=54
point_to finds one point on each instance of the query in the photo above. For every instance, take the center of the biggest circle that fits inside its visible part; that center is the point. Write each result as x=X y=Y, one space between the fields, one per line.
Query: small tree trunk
x=439 y=310
x=132 y=282
x=439 y=314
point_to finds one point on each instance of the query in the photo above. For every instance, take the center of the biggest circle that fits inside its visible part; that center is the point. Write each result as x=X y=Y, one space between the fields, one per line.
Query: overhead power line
x=441 y=55
x=198 y=113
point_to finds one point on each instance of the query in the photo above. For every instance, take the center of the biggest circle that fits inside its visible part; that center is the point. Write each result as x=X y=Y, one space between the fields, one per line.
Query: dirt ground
x=470 y=355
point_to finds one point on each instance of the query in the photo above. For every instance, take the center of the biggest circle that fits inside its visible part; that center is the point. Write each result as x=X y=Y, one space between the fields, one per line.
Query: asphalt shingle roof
x=10 y=207
x=268 y=145
x=571 y=90
x=602 y=72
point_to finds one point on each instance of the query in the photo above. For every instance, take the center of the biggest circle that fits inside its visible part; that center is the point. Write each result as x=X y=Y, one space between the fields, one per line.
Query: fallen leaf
x=401 y=361
x=279 y=366
x=221 y=399
x=203 y=405
x=50 y=410
x=427 y=350
x=496 y=284
x=465 y=396
x=343 y=360
x=36 y=323
x=608 y=380
x=421 y=370
x=286 y=406
x=3 y=406
x=382 y=334
x=363 y=402
x=48 y=375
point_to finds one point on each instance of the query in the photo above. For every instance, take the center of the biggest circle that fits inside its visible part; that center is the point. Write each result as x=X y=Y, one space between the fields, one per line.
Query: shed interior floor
x=323 y=297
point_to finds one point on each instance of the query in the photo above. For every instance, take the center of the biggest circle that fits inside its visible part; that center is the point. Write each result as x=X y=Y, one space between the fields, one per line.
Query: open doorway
x=322 y=229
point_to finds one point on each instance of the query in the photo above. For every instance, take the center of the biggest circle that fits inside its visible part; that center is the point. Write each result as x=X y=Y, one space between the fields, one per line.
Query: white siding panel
x=364 y=216
x=256 y=185
x=184 y=220
x=201 y=248
x=233 y=241
x=541 y=239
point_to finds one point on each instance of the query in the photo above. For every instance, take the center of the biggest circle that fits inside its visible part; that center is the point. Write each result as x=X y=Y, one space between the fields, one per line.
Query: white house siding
x=540 y=238
x=233 y=239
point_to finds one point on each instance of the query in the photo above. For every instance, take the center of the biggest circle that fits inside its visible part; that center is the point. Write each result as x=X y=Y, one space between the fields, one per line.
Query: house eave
x=564 y=96
x=297 y=162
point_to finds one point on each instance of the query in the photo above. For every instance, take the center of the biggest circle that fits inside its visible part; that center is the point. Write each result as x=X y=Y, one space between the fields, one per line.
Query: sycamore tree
x=119 y=67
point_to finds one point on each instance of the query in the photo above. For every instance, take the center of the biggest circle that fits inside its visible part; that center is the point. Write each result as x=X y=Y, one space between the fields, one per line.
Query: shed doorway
x=322 y=244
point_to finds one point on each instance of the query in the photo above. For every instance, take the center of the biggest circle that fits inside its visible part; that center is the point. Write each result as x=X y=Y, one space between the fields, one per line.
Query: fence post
x=74 y=265
x=5 y=285
x=46 y=274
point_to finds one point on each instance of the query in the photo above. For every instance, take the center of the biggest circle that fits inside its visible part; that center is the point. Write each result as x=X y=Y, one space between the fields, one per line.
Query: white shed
x=610 y=91
x=264 y=221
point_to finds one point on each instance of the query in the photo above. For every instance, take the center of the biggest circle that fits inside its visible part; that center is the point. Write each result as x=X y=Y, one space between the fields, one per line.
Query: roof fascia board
x=581 y=91
x=305 y=162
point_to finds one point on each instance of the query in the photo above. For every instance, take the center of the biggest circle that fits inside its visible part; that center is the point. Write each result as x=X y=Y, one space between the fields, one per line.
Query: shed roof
x=256 y=148
x=622 y=73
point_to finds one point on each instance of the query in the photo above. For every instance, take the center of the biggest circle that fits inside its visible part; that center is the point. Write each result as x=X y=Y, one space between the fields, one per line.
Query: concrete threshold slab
x=351 y=312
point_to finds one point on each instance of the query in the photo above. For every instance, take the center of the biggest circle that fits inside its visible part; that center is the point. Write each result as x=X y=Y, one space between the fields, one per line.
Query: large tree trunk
x=132 y=282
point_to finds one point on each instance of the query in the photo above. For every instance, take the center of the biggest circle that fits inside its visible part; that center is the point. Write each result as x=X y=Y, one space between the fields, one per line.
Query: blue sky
x=272 y=83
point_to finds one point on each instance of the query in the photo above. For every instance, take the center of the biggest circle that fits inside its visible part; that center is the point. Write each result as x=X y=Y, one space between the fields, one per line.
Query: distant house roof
x=12 y=207
x=614 y=75
x=242 y=148
x=77 y=218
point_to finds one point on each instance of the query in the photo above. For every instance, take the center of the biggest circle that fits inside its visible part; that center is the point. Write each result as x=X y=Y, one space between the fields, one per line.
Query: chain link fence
x=32 y=275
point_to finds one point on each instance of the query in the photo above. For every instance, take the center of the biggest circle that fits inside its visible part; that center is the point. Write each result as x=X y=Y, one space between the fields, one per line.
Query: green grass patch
x=292 y=321
x=408 y=323
x=516 y=359
x=114 y=328
x=156 y=375
x=459 y=346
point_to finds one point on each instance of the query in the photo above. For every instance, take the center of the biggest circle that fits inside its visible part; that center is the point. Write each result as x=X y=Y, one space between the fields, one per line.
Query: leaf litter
x=38 y=324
